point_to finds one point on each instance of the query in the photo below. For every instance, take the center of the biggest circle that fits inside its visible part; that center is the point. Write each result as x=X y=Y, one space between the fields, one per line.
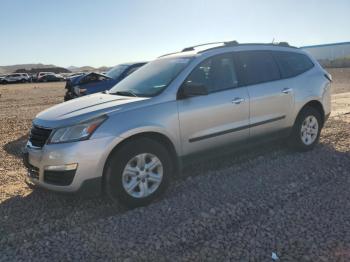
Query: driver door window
x=217 y=74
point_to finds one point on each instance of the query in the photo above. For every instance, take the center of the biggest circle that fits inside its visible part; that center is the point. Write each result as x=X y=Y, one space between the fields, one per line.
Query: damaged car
x=91 y=83
x=51 y=78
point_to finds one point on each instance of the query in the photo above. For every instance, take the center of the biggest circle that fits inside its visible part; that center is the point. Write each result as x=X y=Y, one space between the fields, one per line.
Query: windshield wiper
x=125 y=93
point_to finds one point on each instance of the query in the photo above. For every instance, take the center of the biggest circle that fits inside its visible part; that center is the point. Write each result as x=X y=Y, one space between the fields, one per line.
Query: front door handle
x=287 y=90
x=237 y=100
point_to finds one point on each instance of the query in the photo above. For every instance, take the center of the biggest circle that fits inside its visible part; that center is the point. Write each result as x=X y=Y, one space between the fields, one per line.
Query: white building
x=329 y=51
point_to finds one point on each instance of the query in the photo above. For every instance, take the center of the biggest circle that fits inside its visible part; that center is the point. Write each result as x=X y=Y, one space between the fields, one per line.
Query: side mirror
x=190 y=89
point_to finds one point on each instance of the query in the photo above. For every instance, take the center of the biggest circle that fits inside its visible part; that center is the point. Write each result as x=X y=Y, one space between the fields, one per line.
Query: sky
x=109 y=32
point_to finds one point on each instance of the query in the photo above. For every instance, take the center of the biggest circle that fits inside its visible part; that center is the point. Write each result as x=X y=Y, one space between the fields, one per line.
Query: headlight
x=77 y=132
x=79 y=91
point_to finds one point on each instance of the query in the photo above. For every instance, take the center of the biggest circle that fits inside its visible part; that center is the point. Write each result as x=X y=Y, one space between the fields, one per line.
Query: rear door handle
x=287 y=90
x=237 y=100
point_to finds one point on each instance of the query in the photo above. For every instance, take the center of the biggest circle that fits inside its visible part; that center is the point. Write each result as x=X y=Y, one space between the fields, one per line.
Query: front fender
x=152 y=129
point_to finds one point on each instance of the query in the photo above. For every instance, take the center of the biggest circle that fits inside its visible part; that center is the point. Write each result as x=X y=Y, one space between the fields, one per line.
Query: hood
x=84 y=108
x=74 y=80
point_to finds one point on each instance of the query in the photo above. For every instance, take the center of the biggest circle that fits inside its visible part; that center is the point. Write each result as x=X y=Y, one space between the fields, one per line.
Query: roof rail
x=235 y=43
x=191 y=48
x=227 y=44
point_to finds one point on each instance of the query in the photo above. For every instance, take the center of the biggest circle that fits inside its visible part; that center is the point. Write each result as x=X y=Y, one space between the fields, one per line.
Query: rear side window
x=256 y=67
x=292 y=64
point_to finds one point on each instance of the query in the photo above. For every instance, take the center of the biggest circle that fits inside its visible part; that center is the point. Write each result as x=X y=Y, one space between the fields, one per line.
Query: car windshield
x=151 y=79
x=116 y=71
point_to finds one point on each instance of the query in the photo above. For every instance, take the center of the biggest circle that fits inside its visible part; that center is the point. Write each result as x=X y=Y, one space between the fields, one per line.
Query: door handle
x=237 y=100
x=287 y=90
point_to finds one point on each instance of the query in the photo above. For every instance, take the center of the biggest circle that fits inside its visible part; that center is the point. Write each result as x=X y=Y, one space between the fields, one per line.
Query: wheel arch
x=314 y=104
x=153 y=135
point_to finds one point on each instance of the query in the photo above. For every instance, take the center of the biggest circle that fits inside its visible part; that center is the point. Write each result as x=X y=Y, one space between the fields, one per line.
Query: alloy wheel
x=142 y=175
x=309 y=130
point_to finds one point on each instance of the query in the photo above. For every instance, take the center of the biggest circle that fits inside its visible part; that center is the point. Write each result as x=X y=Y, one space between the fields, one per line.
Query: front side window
x=292 y=64
x=216 y=73
x=152 y=78
x=256 y=67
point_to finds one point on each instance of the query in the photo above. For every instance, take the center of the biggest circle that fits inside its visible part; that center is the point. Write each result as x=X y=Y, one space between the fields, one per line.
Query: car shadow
x=16 y=147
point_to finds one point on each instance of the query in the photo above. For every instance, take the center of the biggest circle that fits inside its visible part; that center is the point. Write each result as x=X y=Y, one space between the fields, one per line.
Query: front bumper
x=69 y=96
x=85 y=160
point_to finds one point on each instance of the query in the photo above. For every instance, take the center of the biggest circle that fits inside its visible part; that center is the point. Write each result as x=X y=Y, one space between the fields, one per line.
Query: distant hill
x=88 y=69
x=28 y=68
x=56 y=70
x=12 y=68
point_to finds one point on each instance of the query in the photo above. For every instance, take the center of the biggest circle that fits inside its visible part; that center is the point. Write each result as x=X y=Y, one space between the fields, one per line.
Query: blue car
x=86 y=84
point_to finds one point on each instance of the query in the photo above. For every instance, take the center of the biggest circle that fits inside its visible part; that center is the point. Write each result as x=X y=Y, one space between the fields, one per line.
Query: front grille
x=38 y=136
x=33 y=172
x=59 y=178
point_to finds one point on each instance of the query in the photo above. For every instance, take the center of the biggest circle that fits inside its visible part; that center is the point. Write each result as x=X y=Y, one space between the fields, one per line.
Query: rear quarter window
x=292 y=64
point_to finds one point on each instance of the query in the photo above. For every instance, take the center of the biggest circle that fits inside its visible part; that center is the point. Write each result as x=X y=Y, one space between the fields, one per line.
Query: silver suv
x=130 y=141
x=16 y=78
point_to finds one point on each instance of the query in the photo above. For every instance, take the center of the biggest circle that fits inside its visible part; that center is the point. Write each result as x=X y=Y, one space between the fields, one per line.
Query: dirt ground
x=241 y=207
x=341 y=79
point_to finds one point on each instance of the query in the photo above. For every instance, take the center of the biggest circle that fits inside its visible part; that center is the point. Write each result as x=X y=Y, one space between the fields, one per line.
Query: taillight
x=328 y=76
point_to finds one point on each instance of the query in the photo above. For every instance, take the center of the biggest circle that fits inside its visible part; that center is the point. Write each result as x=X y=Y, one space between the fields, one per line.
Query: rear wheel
x=306 y=130
x=138 y=172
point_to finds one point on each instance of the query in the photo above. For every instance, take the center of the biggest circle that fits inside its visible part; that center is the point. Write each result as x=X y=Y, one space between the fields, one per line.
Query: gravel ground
x=239 y=207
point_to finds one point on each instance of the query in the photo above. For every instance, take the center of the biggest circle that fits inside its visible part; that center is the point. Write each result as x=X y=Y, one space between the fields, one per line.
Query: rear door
x=218 y=118
x=271 y=99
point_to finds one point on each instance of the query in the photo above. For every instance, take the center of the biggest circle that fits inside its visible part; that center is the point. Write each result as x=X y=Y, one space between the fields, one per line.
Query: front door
x=219 y=118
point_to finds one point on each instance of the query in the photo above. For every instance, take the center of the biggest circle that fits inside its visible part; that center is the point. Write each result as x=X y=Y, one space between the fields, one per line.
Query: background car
x=41 y=74
x=51 y=78
x=86 y=84
x=15 y=78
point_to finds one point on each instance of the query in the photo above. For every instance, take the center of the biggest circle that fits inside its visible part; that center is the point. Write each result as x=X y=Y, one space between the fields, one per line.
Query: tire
x=23 y=81
x=306 y=130
x=117 y=180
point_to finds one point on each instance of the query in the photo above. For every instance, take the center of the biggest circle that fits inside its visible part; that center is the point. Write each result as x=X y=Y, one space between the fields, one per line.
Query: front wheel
x=306 y=130
x=138 y=172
